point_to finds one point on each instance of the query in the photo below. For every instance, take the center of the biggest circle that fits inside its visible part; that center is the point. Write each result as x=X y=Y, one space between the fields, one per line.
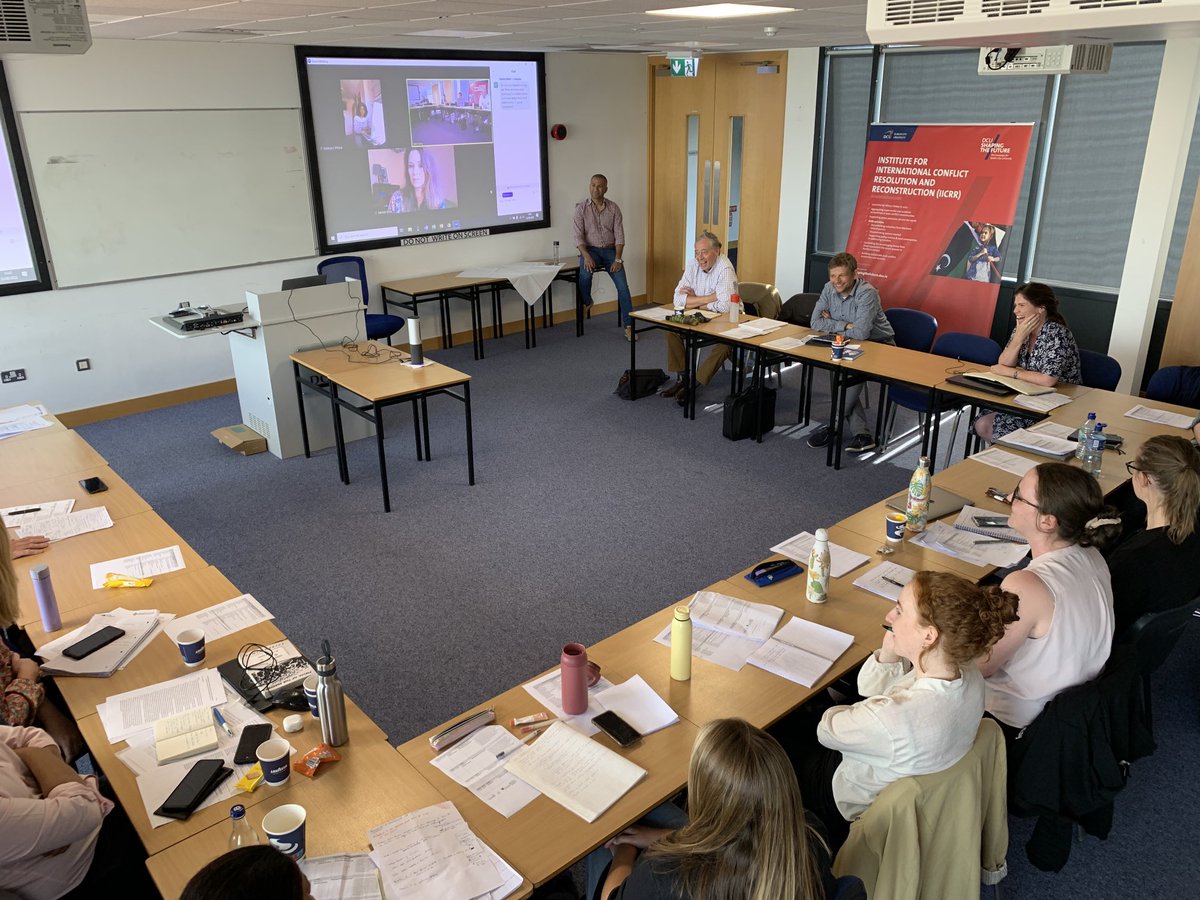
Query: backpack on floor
x=648 y=381
x=741 y=409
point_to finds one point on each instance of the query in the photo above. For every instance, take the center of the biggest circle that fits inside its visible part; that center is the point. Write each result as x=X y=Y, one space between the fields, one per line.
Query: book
x=1013 y=384
x=281 y=669
x=185 y=734
x=801 y=651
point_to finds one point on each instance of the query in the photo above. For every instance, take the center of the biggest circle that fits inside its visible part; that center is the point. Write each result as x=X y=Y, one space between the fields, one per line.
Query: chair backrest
x=935 y=835
x=339 y=268
x=972 y=348
x=764 y=297
x=1175 y=384
x=1098 y=371
x=799 y=309
x=914 y=329
x=1154 y=635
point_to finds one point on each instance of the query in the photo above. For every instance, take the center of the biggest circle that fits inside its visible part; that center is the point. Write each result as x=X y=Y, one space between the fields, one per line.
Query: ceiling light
x=719 y=11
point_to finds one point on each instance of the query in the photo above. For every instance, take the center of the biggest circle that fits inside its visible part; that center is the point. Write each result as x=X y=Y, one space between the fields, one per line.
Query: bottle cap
x=822 y=534
x=683 y=614
x=237 y=811
x=40 y=572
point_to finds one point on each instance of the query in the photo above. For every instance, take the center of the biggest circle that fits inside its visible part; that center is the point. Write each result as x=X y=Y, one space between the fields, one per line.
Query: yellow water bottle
x=681 y=644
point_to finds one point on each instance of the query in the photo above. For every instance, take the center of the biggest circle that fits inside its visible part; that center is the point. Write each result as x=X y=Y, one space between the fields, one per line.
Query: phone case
x=95 y=641
x=197 y=784
x=617 y=728
x=252 y=736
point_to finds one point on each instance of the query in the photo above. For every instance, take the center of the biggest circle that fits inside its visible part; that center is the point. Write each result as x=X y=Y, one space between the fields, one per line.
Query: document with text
x=140 y=565
x=802 y=651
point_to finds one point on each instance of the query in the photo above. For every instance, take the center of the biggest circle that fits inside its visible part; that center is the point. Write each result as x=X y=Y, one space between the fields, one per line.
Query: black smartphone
x=94 y=642
x=617 y=728
x=197 y=784
x=93 y=485
x=252 y=736
x=991 y=521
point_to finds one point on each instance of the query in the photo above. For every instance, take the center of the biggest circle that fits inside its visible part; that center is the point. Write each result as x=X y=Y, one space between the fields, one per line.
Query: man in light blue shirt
x=848 y=305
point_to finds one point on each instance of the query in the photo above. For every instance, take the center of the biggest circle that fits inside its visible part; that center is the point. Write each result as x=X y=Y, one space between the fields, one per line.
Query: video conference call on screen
x=406 y=145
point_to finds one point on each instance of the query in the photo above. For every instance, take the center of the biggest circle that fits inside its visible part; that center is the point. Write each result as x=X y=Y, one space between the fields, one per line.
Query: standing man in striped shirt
x=599 y=233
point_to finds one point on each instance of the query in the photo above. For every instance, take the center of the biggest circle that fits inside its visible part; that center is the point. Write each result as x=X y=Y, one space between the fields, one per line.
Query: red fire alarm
x=558 y=132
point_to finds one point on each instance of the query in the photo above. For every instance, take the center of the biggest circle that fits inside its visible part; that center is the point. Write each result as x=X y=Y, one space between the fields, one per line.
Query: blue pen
x=221 y=721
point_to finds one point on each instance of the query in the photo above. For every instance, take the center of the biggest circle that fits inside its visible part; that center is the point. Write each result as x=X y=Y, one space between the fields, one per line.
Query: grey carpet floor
x=589 y=513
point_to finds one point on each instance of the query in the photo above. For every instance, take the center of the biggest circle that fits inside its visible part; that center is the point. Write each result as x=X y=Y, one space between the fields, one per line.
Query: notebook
x=941 y=502
x=1013 y=384
x=185 y=734
x=965 y=522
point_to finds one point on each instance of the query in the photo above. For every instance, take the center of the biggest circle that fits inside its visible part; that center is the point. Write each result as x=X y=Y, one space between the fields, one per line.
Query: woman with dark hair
x=924 y=698
x=249 y=873
x=1041 y=351
x=1065 y=628
x=423 y=191
x=1154 y=566
x=747 y=838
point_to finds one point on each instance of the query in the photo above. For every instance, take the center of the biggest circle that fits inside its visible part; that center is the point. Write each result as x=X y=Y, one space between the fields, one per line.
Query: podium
x=300 y=319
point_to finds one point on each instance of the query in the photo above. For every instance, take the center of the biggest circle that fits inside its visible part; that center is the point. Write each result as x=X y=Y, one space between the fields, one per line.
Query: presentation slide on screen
x=16 y=253
x=408 y=147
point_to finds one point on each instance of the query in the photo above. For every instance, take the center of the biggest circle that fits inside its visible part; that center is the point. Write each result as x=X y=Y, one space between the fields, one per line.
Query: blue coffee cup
x=310 y=694
x=284 y=826
x=191 y=646
x=836 y=350
x=274 y=756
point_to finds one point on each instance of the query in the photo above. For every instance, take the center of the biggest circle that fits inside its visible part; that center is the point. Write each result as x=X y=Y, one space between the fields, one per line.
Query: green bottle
x=917 y=510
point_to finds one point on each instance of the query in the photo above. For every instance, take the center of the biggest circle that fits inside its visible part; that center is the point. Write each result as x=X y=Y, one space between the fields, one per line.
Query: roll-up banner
x=933 y=221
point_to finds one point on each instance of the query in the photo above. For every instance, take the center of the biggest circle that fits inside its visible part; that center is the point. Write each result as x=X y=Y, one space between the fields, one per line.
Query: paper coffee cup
x=284 y=827
x=274 y=756
x=191 y=646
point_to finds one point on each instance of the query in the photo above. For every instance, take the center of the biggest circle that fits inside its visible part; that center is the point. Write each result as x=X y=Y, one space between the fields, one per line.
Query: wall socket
x=10 y=375
x=83 y=365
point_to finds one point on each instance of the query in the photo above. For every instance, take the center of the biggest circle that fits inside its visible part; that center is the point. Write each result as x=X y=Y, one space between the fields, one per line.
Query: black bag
x=741 y=409
x=648 y=382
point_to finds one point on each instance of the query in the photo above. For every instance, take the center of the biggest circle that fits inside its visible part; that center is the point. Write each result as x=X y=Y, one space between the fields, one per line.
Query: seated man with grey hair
x=708 y=281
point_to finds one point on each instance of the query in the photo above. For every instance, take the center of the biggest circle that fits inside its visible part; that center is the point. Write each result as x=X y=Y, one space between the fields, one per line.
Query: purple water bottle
x=43 y=588
x=574 y=669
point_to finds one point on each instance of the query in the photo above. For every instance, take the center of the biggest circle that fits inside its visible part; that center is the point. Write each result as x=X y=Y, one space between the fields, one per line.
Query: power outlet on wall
x=8 y=376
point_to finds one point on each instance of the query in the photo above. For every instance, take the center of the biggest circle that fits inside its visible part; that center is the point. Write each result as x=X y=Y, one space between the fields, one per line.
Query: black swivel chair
x=1154 y=635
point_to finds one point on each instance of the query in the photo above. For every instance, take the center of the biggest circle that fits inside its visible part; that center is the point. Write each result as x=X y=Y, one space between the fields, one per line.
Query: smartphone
x=94 y=642
x=252 y=736
x=93 y=485
x=617 y=728
x=197 y=784
x=991 y=521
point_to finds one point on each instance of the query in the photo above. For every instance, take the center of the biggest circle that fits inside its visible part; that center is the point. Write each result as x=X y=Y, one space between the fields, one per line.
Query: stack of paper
x=222 y=619
x=125 y=715
x=1005 y=461
x=344 y=876
x=841 y=559
x=139 y=626
x=1159 y=416
x=887 y=579
x=785 y=343
x=575 y=771
x=432 y=853
x=32 y=513
x=67 y=525
x=1043 y=403
x=185 y=734
x=477 y=763
x=638 y=704
x=964 y=545
x=20 y=419
x=1043 y=444
x=763 y=325
x=726 y=630
x=966 y=522
x=802 y=651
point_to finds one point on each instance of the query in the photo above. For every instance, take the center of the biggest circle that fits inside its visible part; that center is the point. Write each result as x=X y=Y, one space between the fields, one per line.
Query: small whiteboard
x=135 y=194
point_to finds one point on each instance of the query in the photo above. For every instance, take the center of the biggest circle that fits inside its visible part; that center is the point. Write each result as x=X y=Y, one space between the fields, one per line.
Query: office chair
x=1098 y=371
x=1175 y=384
x=914 y=329
x=1153 y=636
x=339 y=268
x=799 y=308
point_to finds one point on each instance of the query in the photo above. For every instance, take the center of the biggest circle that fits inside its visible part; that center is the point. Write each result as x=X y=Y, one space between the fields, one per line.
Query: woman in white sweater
x=924 y=696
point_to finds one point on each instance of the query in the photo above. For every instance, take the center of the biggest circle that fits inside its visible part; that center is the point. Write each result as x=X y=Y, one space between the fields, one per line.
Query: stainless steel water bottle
x=331 y=700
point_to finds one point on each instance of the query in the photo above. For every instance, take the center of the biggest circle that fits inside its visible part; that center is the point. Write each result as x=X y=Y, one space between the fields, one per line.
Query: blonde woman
x=747 y=838
x=1154 y=567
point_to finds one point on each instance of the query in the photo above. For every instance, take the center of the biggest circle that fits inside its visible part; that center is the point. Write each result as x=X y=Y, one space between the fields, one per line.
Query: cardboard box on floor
x=241 y=439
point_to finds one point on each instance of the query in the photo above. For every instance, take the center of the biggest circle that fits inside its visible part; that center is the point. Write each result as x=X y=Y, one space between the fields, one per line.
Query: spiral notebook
x=966 y=522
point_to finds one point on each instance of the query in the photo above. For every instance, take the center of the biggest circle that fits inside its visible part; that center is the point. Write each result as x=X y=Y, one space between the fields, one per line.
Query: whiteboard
x=135 y=194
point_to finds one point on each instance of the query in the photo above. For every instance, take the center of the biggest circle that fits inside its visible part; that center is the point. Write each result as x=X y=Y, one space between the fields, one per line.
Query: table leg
x=691 y=357
x=339 y=440
x=757 y=381
x=835 y=430
x=425 y=426
x=387 y=498
x=546 y=294
x=444 y=309
x=470 y=437
x=578 y=309
x=497 y=314
x=529 y=326
x=879 y=422
x=633 y=395
x=417 y=428
x=476 y=323
x=933 y=427
x=300 y=399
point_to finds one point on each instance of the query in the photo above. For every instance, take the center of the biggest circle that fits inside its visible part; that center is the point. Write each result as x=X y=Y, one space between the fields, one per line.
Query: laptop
x=941 y=502
x=820 y=338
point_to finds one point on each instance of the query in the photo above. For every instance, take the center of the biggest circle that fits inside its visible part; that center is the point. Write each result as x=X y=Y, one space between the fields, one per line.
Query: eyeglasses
x=1131 y=468
x=1016 y=495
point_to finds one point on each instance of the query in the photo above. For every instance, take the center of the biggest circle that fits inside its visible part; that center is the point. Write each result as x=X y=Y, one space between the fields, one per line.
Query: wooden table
x=120 y=499
x=1110 y=407
x=44 y=454
x=544 y=838
x=381 y=385
x=70 y=560
x=159 y=660
x=363 y=733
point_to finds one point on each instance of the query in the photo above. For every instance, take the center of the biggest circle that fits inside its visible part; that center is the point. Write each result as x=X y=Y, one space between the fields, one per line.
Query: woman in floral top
x=18 y=677
x=1041 y=351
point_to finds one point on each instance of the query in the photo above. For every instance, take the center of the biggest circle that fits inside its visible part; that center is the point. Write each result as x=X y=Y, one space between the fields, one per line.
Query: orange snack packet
x=307 y=764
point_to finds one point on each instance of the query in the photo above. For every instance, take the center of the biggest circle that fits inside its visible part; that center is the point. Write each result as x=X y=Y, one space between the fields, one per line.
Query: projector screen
x=412 y=147
x=22 y=260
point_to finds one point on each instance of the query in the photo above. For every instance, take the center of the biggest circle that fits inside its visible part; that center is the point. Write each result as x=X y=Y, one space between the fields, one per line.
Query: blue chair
x=1175 y=384
x=380 y=326
x=1098 y=371
x=915 y=330
x=849 y=887
x=957 y=345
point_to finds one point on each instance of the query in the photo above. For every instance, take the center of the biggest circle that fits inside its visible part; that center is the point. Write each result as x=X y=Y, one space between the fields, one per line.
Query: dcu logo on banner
x=994 y=148
x=892 y=133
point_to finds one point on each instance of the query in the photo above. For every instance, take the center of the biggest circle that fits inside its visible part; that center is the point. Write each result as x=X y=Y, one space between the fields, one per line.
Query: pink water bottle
x=574 y=669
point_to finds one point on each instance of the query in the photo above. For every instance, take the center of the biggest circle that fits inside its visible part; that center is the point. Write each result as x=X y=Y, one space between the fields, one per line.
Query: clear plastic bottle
x=242 y=833
x=556 y=251
x=735 y=308
x=681 y=644
x=818 y=569
x=1085 y=431
x=1093 y=455
x=917 y=508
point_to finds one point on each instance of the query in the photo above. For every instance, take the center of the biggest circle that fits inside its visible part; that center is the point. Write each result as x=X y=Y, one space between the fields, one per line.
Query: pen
x=21 y=512
x=888 y=628
x=898 y=584
x=221 y=721
x=524 y=740
x=991 y=541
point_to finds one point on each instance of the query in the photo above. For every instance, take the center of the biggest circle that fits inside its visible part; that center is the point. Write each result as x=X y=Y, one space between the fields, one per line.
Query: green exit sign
x=684 y=68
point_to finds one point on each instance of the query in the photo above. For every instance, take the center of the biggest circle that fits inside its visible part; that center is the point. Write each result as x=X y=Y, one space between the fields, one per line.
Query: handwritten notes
x=802 y=651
